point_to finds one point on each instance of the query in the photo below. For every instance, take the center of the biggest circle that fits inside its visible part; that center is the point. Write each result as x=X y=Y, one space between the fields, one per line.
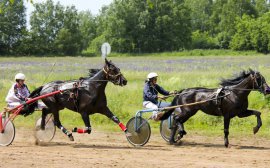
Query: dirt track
x=112 y=150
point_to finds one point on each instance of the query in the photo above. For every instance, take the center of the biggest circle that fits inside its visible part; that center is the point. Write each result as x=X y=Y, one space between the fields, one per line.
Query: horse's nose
x=124 y=82
x=267 y=90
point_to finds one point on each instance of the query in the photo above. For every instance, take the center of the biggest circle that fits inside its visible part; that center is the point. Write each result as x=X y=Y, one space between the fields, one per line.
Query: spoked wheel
x=8 y=135
x=165 y=129
x=140 y=136
x=48 y=133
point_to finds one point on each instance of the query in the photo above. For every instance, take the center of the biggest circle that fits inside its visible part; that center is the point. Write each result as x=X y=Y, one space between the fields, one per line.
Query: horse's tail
x=167 y=114
x=31 y=107
x=36 y=92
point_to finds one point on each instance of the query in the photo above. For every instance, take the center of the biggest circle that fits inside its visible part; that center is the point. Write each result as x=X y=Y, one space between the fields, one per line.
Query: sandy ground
x=112 y=150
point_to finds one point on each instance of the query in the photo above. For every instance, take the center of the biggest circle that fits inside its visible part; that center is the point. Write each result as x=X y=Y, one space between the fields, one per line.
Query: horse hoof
x=180 y=136
x=226 y=143
x=42 y=128
x=172 y=142
x=71 y=138
x=255 y=130
x=183 y=132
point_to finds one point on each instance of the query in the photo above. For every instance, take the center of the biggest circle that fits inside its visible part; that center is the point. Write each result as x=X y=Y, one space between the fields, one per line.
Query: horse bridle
x=254 y=78
x=113 y=77
x=254 y=82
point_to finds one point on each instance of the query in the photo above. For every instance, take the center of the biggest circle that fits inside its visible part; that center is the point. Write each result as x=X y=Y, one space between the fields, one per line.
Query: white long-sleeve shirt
x=17 y=94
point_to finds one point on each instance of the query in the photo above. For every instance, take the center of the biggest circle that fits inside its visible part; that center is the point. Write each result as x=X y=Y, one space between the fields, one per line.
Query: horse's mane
x=92 y=73
x=236 y=79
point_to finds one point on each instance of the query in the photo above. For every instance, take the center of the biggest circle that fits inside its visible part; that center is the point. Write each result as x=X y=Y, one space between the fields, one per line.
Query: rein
x=194 y=103
x=253 y=87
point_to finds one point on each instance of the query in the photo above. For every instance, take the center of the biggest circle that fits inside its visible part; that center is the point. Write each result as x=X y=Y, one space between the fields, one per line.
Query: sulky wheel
x=48 y=133
x=165 y=129
x=141 y=136
x=8 y=134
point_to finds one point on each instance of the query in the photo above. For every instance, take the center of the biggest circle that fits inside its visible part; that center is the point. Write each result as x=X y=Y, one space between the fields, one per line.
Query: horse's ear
x=251 y=71
x=106 y=61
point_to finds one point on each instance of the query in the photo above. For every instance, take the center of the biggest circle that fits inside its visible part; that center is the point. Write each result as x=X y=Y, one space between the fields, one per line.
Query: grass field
x=175 y=73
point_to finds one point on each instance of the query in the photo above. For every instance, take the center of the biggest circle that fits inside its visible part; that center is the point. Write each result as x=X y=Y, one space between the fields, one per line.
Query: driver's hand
x=173 y=92
x=26 y=99
x=161 y=97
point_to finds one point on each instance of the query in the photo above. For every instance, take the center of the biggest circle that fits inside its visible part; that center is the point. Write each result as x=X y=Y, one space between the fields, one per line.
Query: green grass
x=175 y=73
x=195 y=52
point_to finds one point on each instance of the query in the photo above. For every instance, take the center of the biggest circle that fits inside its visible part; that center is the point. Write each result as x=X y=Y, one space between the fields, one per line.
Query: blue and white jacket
x=150 y=93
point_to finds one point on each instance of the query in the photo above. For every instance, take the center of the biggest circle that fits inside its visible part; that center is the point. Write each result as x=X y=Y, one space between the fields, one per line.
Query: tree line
x=135 y=26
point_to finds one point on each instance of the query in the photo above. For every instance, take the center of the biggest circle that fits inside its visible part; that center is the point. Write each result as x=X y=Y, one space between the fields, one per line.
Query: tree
x=242 y=39
x=230 y=11
x=201 y=11
x=12 y=25
x=252 y=33
x=46 y=21
x=146 y=26
x=55 y=29
x=69 y=40
x=262 y=6
x=261 y=34
x=87 y=27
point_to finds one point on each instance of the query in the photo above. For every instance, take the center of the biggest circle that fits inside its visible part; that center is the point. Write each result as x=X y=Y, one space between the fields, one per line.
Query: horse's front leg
x=107 y=112
x=252 y=112
x=86 y=120
x=226 y=130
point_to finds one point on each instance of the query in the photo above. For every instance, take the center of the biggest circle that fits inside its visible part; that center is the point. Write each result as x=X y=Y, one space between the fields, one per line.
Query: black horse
x=88 y=97
x=229 y=101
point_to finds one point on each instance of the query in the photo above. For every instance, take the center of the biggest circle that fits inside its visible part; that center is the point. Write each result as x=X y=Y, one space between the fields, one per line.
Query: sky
x=81 y=5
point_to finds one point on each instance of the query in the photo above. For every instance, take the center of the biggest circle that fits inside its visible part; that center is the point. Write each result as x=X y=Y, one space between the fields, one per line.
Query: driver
x=150 y=96
x=18 y=92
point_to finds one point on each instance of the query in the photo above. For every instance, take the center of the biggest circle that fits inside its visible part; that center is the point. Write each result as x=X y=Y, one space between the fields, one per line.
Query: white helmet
x=19 y=76
x=152 y=75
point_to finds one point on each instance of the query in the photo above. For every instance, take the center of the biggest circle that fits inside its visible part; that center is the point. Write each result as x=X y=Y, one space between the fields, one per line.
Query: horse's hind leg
x=173 y=132
x=181 y=131
x=226 y=130
x=86 y=120
x=43 y=118
x=249 y=113
x=59 y=125
x=181 y=119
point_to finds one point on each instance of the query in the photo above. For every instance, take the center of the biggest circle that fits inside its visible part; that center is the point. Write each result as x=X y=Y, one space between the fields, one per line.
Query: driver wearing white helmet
x=150 y=95
x=19 y=91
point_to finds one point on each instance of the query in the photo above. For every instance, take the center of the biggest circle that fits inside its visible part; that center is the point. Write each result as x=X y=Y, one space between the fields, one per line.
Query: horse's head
x=260 y=83
x=113 y=73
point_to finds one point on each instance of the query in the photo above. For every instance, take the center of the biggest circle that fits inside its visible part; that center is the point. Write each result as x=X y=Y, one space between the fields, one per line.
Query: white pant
x=150 y=105
x=41 y=105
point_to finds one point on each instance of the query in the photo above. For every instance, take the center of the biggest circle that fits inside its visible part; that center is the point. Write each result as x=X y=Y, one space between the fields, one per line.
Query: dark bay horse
x=233 y=102
x=88 y=98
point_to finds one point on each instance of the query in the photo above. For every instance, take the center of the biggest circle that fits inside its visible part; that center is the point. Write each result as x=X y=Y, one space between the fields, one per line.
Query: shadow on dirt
x=212 y=145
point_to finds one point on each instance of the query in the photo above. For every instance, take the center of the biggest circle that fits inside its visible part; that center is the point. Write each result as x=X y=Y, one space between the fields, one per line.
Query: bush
x=261 y=35
x=242 y=40
x=202 y=40
x=252 y=34
x=94 y=47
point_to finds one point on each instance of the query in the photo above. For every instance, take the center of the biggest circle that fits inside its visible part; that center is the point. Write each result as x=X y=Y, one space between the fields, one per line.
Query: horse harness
x=73 y=91
x=219 y=97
